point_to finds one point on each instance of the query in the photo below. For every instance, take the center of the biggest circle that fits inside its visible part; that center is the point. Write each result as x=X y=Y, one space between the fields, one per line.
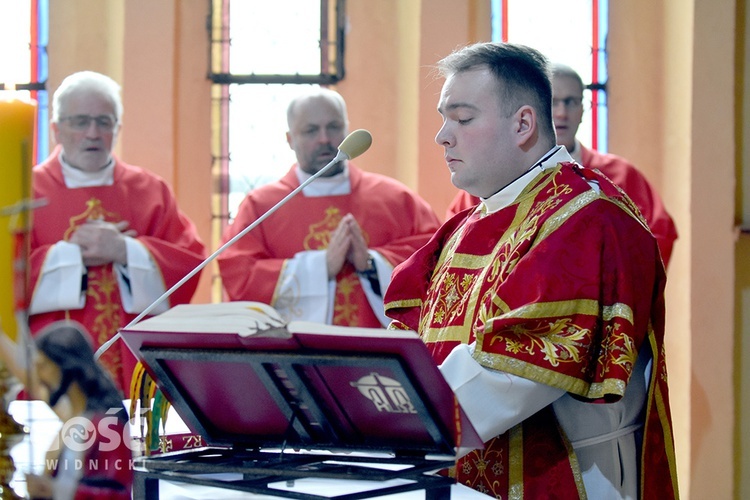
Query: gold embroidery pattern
x=510 y=252
x=551 y=332
x=345 y=309
x=619 y=349
x=450 y=298
x=628 y=205
x=319 y=234
x=102 y=292
x=561 y=341
x=662 y=365
x=165 y=444
x=482 y=470
x=94 y=211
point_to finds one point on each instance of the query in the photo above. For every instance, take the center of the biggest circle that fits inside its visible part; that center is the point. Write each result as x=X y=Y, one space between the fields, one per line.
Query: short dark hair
x=523 y=71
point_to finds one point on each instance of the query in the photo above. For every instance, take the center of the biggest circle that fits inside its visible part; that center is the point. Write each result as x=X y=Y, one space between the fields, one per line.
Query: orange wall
x=672 y=100
x=392 y=91
x=166 y=95
x=671 y=111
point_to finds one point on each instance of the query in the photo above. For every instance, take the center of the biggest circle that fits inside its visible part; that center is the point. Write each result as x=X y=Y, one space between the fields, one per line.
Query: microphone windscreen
x=356 y=143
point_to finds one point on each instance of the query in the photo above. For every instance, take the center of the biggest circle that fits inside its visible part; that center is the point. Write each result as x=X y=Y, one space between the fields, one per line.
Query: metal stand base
x=255 y=470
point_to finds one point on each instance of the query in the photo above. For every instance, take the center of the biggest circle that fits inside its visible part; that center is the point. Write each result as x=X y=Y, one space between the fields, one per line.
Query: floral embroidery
x=450 y=298
x=510 y=253
x=561 y=341
x=619 y=351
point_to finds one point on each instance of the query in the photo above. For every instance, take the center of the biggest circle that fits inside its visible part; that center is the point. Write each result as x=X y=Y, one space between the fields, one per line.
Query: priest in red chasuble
x=543 y=305
x=326 y=255
x=109 y=239
x=567 y=112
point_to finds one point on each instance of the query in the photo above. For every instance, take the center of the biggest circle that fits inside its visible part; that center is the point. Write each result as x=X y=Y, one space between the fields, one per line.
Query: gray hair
x=321 y=92
x=86 y=82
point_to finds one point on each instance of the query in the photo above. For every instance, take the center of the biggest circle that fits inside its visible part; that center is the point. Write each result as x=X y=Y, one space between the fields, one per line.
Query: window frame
x=332 y=31
x=39 y=73
x=598 y=61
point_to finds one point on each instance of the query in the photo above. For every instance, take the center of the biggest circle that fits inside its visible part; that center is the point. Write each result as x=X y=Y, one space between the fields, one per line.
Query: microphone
x=353 y=145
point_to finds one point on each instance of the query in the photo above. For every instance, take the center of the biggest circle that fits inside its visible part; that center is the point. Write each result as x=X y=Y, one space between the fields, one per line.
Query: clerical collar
x=335 y=185
x=77 y=178
x=509 y=193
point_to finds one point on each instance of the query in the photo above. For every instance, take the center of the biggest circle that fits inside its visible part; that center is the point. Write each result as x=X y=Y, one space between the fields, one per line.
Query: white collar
x=77 y=178
x=335 y=185
x=509 y=193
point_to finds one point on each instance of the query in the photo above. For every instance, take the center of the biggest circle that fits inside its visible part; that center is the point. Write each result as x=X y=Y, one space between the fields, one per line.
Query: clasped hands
x=347 y=244
x=102 y=242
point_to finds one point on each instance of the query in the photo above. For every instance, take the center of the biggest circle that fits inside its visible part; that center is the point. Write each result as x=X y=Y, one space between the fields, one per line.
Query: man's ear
x=525 y=124
x=289 y=140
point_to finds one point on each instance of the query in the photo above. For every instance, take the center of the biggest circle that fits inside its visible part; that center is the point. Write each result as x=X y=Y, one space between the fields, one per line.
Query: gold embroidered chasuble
x=394 y=221
x=147 y=203
x=563 y=287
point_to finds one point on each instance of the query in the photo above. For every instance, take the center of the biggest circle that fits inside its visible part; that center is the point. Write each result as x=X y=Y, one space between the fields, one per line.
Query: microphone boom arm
x=340 y=156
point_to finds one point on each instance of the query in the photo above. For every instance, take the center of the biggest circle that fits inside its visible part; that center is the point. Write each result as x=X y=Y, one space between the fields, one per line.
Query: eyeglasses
x=105 y=123
x=568 y=102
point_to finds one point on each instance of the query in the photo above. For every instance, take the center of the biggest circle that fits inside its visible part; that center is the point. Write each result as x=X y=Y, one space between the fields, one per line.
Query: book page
x=352 y=331
x=244 y=318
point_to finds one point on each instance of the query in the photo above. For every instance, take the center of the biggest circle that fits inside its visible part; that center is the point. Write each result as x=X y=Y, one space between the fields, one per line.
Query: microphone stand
x=340 y=156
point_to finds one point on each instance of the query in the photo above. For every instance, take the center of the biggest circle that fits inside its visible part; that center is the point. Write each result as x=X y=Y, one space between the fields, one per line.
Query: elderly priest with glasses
x=110 y=238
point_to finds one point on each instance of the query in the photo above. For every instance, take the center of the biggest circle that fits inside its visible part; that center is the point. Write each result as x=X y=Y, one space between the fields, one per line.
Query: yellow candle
x=17 y=120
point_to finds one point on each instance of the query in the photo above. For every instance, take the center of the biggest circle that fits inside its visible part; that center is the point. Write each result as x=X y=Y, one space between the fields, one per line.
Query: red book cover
x=237 y=374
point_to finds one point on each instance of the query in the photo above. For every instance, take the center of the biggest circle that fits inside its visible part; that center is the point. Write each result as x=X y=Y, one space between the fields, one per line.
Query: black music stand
x=341 y=398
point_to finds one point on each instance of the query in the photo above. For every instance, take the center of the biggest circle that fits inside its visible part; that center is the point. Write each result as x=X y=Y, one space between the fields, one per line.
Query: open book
x=238 y=375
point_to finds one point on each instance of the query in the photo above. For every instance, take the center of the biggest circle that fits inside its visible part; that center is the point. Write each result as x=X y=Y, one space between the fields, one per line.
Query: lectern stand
x=303 y=401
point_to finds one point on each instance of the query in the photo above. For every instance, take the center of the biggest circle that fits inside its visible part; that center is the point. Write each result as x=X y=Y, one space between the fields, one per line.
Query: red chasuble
x=563 y=287
x=394 y=220
x=630 y=180
x=147 y=203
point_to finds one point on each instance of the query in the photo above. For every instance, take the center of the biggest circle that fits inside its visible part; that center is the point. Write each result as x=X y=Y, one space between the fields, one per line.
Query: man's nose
x=324 y=136
x=93 y=130
x=559 y=109
x=443 y=137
